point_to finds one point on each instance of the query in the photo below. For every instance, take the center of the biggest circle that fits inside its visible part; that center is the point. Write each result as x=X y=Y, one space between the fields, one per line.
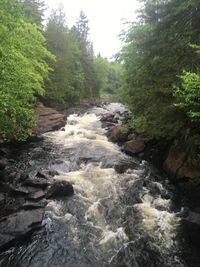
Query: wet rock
x=37 y=195
x=108 y=117
x=40 y=179
x=30 y=205
x=118 y=134
x=3 y=164
x=134 y=146
x=11 y=204
x=18 y=224
x=121 y=167
x=2 y=197
x=60 y=189
x=18 y=191
x=43 y=183
x=2 y=177
x=4 y=151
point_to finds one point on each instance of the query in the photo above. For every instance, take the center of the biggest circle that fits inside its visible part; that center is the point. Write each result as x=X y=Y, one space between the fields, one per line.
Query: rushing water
x=113 y=219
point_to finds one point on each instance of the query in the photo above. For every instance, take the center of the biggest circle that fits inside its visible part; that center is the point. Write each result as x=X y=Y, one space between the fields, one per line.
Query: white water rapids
x=113 y=219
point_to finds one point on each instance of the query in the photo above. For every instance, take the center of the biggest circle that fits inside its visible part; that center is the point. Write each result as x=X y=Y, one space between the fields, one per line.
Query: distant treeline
x=47 y=62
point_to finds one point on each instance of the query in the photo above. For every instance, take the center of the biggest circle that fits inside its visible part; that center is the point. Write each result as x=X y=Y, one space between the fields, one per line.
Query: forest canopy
x=49 y=63
x=161 y=60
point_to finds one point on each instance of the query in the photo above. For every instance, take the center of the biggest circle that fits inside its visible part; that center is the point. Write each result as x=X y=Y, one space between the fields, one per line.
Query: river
x=114 y=219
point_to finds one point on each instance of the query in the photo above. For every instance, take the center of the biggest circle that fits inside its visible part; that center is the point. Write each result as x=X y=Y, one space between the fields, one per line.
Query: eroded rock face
x=18 y=224
x=179 y=164
x=49 y=119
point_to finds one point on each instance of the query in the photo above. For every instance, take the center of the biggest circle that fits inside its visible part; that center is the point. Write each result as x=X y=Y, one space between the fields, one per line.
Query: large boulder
x=118 y=134
x=48 y=119
x=134 y=146
x=60 y=189
x=179 y=164
x=19 y=224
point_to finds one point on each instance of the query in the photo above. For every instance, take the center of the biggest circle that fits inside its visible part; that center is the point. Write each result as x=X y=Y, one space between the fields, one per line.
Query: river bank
x=68 y=161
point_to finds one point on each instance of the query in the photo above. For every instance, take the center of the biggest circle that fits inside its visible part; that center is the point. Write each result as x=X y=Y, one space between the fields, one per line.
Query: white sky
x=105 y=20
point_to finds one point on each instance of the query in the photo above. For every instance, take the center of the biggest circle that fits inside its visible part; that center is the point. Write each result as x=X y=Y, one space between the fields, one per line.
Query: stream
x=128 y=219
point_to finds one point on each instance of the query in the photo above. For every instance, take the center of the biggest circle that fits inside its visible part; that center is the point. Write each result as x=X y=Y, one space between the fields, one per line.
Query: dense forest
x=47 y=62
x=161 y=79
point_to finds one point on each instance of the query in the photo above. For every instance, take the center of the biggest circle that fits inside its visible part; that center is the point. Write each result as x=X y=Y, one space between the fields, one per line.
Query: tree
x=108 y=75
x=22 y=70
x=33 y=10
x=157 y=50
x=66 y=78
x=91 y=86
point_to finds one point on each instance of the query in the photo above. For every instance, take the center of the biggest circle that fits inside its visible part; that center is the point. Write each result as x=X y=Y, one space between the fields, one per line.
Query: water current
x=113 y=219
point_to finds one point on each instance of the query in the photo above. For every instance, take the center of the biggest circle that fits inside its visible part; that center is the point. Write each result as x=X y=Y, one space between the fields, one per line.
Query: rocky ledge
x=22 y=204
x=48 y=119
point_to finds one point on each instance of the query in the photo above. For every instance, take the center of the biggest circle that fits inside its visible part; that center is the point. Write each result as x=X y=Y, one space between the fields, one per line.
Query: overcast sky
x=106 y=19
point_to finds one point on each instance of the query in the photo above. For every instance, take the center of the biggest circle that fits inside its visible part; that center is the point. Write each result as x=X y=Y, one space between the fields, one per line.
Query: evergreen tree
x=66 y=78
x=91 y=85
x=158 y=49
x=34 y=11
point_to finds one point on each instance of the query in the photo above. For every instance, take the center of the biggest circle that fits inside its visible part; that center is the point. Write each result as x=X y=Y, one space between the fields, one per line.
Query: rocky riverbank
x=26 y=190
x=24 y=194
x=173 y=158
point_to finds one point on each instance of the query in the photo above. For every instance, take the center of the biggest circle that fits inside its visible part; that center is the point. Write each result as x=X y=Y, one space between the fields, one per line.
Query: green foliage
x=157 y=48
x=74 y=75
x=188 y=95
x=108 y=75
x=66 y=78
x=22 y=70
x=33 y=10
x=91 y=83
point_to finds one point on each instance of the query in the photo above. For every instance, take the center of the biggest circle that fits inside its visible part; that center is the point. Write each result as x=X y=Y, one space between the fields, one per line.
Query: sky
x=106 y=20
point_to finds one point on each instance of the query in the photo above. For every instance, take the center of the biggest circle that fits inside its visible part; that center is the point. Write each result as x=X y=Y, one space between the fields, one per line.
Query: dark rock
x=193 y=217
x=179 y=164
x=29 y=205
x=124 y=166
x=39 y=180
x=11 y=161
x=4 y=151
x=3 y=164
x=134 y=146
x=60 y=189
x=2 y=197
x=37 y=195
x=108 y=117
x=2 y=177
x=118 y=133
x=18 y=191
x=53 y=172
x=18 y=224
x=43 y=174
x=11 y=204
x=43 y=183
